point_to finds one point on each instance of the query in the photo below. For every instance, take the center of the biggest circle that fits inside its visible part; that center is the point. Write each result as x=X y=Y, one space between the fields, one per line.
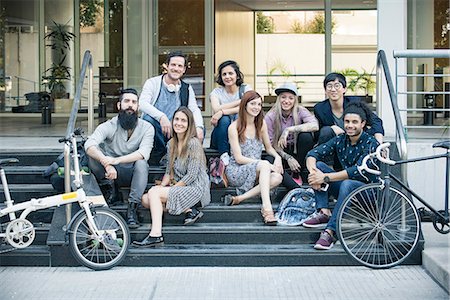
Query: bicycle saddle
x=443 y=144
x=5 y=161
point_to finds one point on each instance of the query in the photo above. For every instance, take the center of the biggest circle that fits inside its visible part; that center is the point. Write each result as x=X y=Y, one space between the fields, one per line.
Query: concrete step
x=232 y=233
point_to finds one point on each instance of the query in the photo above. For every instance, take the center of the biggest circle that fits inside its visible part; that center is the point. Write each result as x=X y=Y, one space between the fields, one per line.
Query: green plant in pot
x=366 y=83
x=58 y=74
x=359 y=81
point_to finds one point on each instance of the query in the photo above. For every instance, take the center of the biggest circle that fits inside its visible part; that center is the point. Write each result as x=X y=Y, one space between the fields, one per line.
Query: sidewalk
x=403 y=282
x=411 y=282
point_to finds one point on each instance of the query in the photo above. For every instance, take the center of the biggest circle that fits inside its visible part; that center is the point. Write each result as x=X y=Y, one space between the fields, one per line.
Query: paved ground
x=410 y=283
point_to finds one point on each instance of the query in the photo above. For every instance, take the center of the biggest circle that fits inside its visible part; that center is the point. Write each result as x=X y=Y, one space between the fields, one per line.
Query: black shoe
x=150 y=241
x=132 y=218
x=110 y=192
x=192 y=216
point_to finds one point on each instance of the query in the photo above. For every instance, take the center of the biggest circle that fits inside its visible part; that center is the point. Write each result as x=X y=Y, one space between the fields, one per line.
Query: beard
x=128 y=119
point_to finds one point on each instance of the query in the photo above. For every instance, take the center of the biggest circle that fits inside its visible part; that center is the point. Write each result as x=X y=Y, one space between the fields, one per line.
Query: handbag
x=217 y=173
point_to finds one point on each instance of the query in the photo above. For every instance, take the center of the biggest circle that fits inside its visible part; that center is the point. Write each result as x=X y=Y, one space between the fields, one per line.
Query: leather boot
x=109 y=191
x=132 y=218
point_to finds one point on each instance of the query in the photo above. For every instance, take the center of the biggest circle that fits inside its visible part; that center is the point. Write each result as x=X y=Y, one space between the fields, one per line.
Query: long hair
x=235 y=66
x=242 y=116
x=176 y=141
x=278 y=112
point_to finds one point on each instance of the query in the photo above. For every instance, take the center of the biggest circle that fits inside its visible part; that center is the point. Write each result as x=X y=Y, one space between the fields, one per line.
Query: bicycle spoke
x=378 y=228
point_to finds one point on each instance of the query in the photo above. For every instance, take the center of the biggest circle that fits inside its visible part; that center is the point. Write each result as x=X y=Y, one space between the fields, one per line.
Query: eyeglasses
x=336 y=86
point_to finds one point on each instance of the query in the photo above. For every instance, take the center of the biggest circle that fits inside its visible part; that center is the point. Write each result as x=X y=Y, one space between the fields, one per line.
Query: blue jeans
x=134 y=175
x=219 y=136
x=338 y=189
x=159 y=142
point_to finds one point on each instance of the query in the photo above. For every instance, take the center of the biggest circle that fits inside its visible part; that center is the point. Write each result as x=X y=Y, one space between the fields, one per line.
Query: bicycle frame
x=387 y=175
x=42 y=203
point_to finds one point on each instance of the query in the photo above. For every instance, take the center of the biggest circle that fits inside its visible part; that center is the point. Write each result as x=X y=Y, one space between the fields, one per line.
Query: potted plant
x=367 y=84
x=281 y=69
x=359 y=81
x=57 y=76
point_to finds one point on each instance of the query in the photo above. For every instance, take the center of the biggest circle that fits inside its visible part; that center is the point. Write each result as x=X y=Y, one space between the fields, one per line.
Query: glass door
x=181 y=26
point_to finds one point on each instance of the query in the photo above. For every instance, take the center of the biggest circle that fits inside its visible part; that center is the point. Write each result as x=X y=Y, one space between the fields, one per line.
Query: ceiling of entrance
x=261 y=5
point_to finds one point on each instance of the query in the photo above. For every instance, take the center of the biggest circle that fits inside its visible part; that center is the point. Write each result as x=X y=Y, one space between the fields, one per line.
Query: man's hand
x=166 y=127
x=200 y=134
x=316 y=177
x=111 y=172
x=293 y=164
x=216 y=117
x=108 y=160
x=282 y=141
x=337 y=130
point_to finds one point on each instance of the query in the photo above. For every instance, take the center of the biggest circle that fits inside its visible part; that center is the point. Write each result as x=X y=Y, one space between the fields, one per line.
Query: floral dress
x=243 y=177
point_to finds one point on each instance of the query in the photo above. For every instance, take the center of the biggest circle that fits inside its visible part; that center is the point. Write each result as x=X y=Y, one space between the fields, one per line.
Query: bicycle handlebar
x=77 y=132
x=379 y=156
x=365 y=167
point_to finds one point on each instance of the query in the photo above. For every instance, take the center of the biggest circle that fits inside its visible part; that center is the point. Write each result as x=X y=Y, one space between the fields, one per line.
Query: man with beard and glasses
x=349 y=149
x=161 y=96
x=118 y=151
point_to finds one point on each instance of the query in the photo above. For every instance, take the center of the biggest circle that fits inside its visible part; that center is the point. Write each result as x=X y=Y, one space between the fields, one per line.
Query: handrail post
x=90 y=99
x=67 y=186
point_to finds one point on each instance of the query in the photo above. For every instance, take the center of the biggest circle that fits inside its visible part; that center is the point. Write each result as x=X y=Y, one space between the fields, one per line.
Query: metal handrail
x=87 y=62
x=400 y=130
x=435 y=53
x=439 y=53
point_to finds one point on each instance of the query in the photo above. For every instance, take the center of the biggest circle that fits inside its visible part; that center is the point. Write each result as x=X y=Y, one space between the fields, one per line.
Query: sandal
x=268 y=217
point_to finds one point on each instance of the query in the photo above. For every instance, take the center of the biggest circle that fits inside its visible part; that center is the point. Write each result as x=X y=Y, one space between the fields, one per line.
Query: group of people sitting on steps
x=322 y=150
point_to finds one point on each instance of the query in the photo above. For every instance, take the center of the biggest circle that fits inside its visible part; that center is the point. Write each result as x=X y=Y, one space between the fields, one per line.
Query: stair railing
x=428 y=109
x=400 y=138
x=87 y=63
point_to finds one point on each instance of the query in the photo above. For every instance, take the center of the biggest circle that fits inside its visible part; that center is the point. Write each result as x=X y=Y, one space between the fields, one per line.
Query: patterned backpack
x=296 y=206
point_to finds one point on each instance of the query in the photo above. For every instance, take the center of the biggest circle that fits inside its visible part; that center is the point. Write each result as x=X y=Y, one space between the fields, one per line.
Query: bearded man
x=118 y=151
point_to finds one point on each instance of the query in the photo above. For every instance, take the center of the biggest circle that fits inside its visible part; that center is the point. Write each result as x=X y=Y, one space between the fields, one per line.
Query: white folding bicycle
x=98 y=236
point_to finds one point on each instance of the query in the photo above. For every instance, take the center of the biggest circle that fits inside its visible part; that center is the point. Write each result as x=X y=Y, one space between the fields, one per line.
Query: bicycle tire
x=376 y=230
x=104 y=254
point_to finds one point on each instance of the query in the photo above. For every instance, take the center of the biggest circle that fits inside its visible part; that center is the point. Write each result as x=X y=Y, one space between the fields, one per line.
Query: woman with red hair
x=246 y=171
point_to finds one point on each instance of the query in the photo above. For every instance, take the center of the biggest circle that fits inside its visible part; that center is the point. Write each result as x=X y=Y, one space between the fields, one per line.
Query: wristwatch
x=326 y=179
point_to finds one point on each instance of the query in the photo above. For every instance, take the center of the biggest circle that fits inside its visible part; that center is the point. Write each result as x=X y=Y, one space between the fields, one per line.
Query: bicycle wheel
x=106 y=251
x=378 y=228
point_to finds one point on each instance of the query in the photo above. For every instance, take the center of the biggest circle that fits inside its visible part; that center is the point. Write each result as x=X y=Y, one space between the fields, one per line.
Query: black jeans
x=305 y=142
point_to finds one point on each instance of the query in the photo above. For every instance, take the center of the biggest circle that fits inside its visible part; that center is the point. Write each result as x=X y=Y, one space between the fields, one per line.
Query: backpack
x=55 y=171
x=296 y=206
x=217 y=175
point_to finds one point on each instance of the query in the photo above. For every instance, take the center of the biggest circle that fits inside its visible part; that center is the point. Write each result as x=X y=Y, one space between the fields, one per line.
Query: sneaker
x=192 y=216
x=316 y=220
x=325 y=241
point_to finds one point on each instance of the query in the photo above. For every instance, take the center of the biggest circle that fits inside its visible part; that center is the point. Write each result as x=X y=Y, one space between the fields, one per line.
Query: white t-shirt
x=224 y=97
